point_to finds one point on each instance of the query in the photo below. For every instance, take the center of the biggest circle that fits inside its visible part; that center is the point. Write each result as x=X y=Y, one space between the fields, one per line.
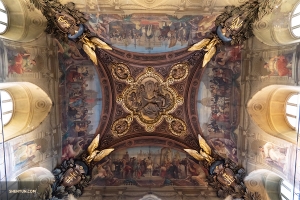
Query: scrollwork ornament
x=121 y=126
x=225 y=176
x=65 y=23
x=120 y=71
x=177 y=126
x=148 y=98
x=179 y=72
x=234 y=26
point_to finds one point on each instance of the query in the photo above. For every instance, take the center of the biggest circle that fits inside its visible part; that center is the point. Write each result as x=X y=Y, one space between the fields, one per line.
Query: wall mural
x=149 y=99
x=81 y=99
x=279 y=65
x=150 y=33
x=218 y=101
x=273 y=155
x=151 y=166
x=21 y=60
x=28 y=153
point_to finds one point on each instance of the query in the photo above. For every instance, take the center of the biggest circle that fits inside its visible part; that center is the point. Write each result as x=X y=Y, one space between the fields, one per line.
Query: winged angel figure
x=96 y=155
x=204 y=152
x=65 y=22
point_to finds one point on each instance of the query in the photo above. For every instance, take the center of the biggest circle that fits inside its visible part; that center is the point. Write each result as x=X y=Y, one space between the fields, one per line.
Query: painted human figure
x=278 y=64
x=275 y=154
x=22 y=63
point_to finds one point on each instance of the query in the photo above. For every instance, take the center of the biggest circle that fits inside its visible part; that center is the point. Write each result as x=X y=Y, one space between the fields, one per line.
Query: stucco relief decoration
x=65 y=23
x=224 y=175
x=73 y=175
x=234 y=26
x=149 y=98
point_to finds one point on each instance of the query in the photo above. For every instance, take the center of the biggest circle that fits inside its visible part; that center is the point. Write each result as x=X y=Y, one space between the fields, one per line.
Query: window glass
x=297 y=10
x=2 y=6
x=3 y=18
x=292 y=110
x=295 y=21
x=2 y=28
x=288 y=192
x=6 y=107
x=296 y=32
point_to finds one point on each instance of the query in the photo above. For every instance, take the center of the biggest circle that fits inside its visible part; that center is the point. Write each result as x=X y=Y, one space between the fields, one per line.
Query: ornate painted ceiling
x=148 y=97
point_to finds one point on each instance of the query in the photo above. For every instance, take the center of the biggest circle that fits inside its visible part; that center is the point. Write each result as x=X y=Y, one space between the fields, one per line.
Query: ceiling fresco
x=129 y=85
x=150 y=33
x=149 y=99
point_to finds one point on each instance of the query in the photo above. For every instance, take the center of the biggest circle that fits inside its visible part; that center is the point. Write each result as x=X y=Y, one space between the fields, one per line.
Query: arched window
x=3 y=18
x=275 y=109
x=24 y=106
x=6 y=107
x=288 y=192
x=295 y=21
x=292 y=110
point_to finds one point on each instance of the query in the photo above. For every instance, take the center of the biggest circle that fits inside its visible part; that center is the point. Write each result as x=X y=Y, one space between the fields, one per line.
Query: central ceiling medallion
x=149 y=99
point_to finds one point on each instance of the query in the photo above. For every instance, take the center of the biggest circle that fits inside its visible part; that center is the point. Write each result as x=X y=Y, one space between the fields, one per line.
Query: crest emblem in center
x=149 y=99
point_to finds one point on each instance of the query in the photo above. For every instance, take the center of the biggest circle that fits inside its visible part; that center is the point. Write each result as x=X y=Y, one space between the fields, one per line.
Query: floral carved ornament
x=149 y=99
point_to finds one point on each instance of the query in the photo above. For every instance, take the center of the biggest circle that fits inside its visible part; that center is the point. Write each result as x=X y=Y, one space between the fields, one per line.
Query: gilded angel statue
x=65 y=23
x=89 y=46
x=204 y=152
x=96 y=155
x=208 y=45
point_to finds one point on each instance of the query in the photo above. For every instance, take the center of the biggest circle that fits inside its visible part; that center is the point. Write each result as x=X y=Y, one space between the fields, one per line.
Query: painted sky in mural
x=81 y=99
x=150 y=33
x=218 y=101
x=149 y=166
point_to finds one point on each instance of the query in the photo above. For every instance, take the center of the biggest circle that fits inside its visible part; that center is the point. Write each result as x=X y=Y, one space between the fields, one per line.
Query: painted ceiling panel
x=150 y=33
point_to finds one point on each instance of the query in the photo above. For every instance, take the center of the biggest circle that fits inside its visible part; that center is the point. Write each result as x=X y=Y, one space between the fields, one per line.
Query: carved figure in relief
x=121 y=127
x=178 y=72
x=177 y=126
x=149 y=99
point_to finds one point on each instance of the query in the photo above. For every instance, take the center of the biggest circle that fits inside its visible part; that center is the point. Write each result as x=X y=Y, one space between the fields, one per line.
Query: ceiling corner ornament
x=149 y=99
x=72 y=176
x=65 y=23
x=224 y=175
x=234 y=26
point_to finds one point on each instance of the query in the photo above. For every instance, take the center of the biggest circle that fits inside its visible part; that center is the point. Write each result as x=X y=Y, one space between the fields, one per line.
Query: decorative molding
x=149 y=99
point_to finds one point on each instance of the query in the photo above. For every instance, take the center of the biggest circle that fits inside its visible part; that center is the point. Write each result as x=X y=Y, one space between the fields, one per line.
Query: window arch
x=292 y=110
x=286 y=190
x=295 y=21
x=3 y=18
x=270 y=186
x=270 y=108
x=6 y=107
x=29 y=107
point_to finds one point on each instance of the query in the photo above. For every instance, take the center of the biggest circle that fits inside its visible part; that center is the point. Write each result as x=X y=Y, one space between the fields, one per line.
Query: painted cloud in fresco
x=150 y=33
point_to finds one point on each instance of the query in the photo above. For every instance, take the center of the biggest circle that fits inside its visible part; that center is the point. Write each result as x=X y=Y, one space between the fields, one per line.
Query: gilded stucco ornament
x=149 y=99
x=73 y=175
x=225 y=176
x=234 y=26
x=65 y=23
